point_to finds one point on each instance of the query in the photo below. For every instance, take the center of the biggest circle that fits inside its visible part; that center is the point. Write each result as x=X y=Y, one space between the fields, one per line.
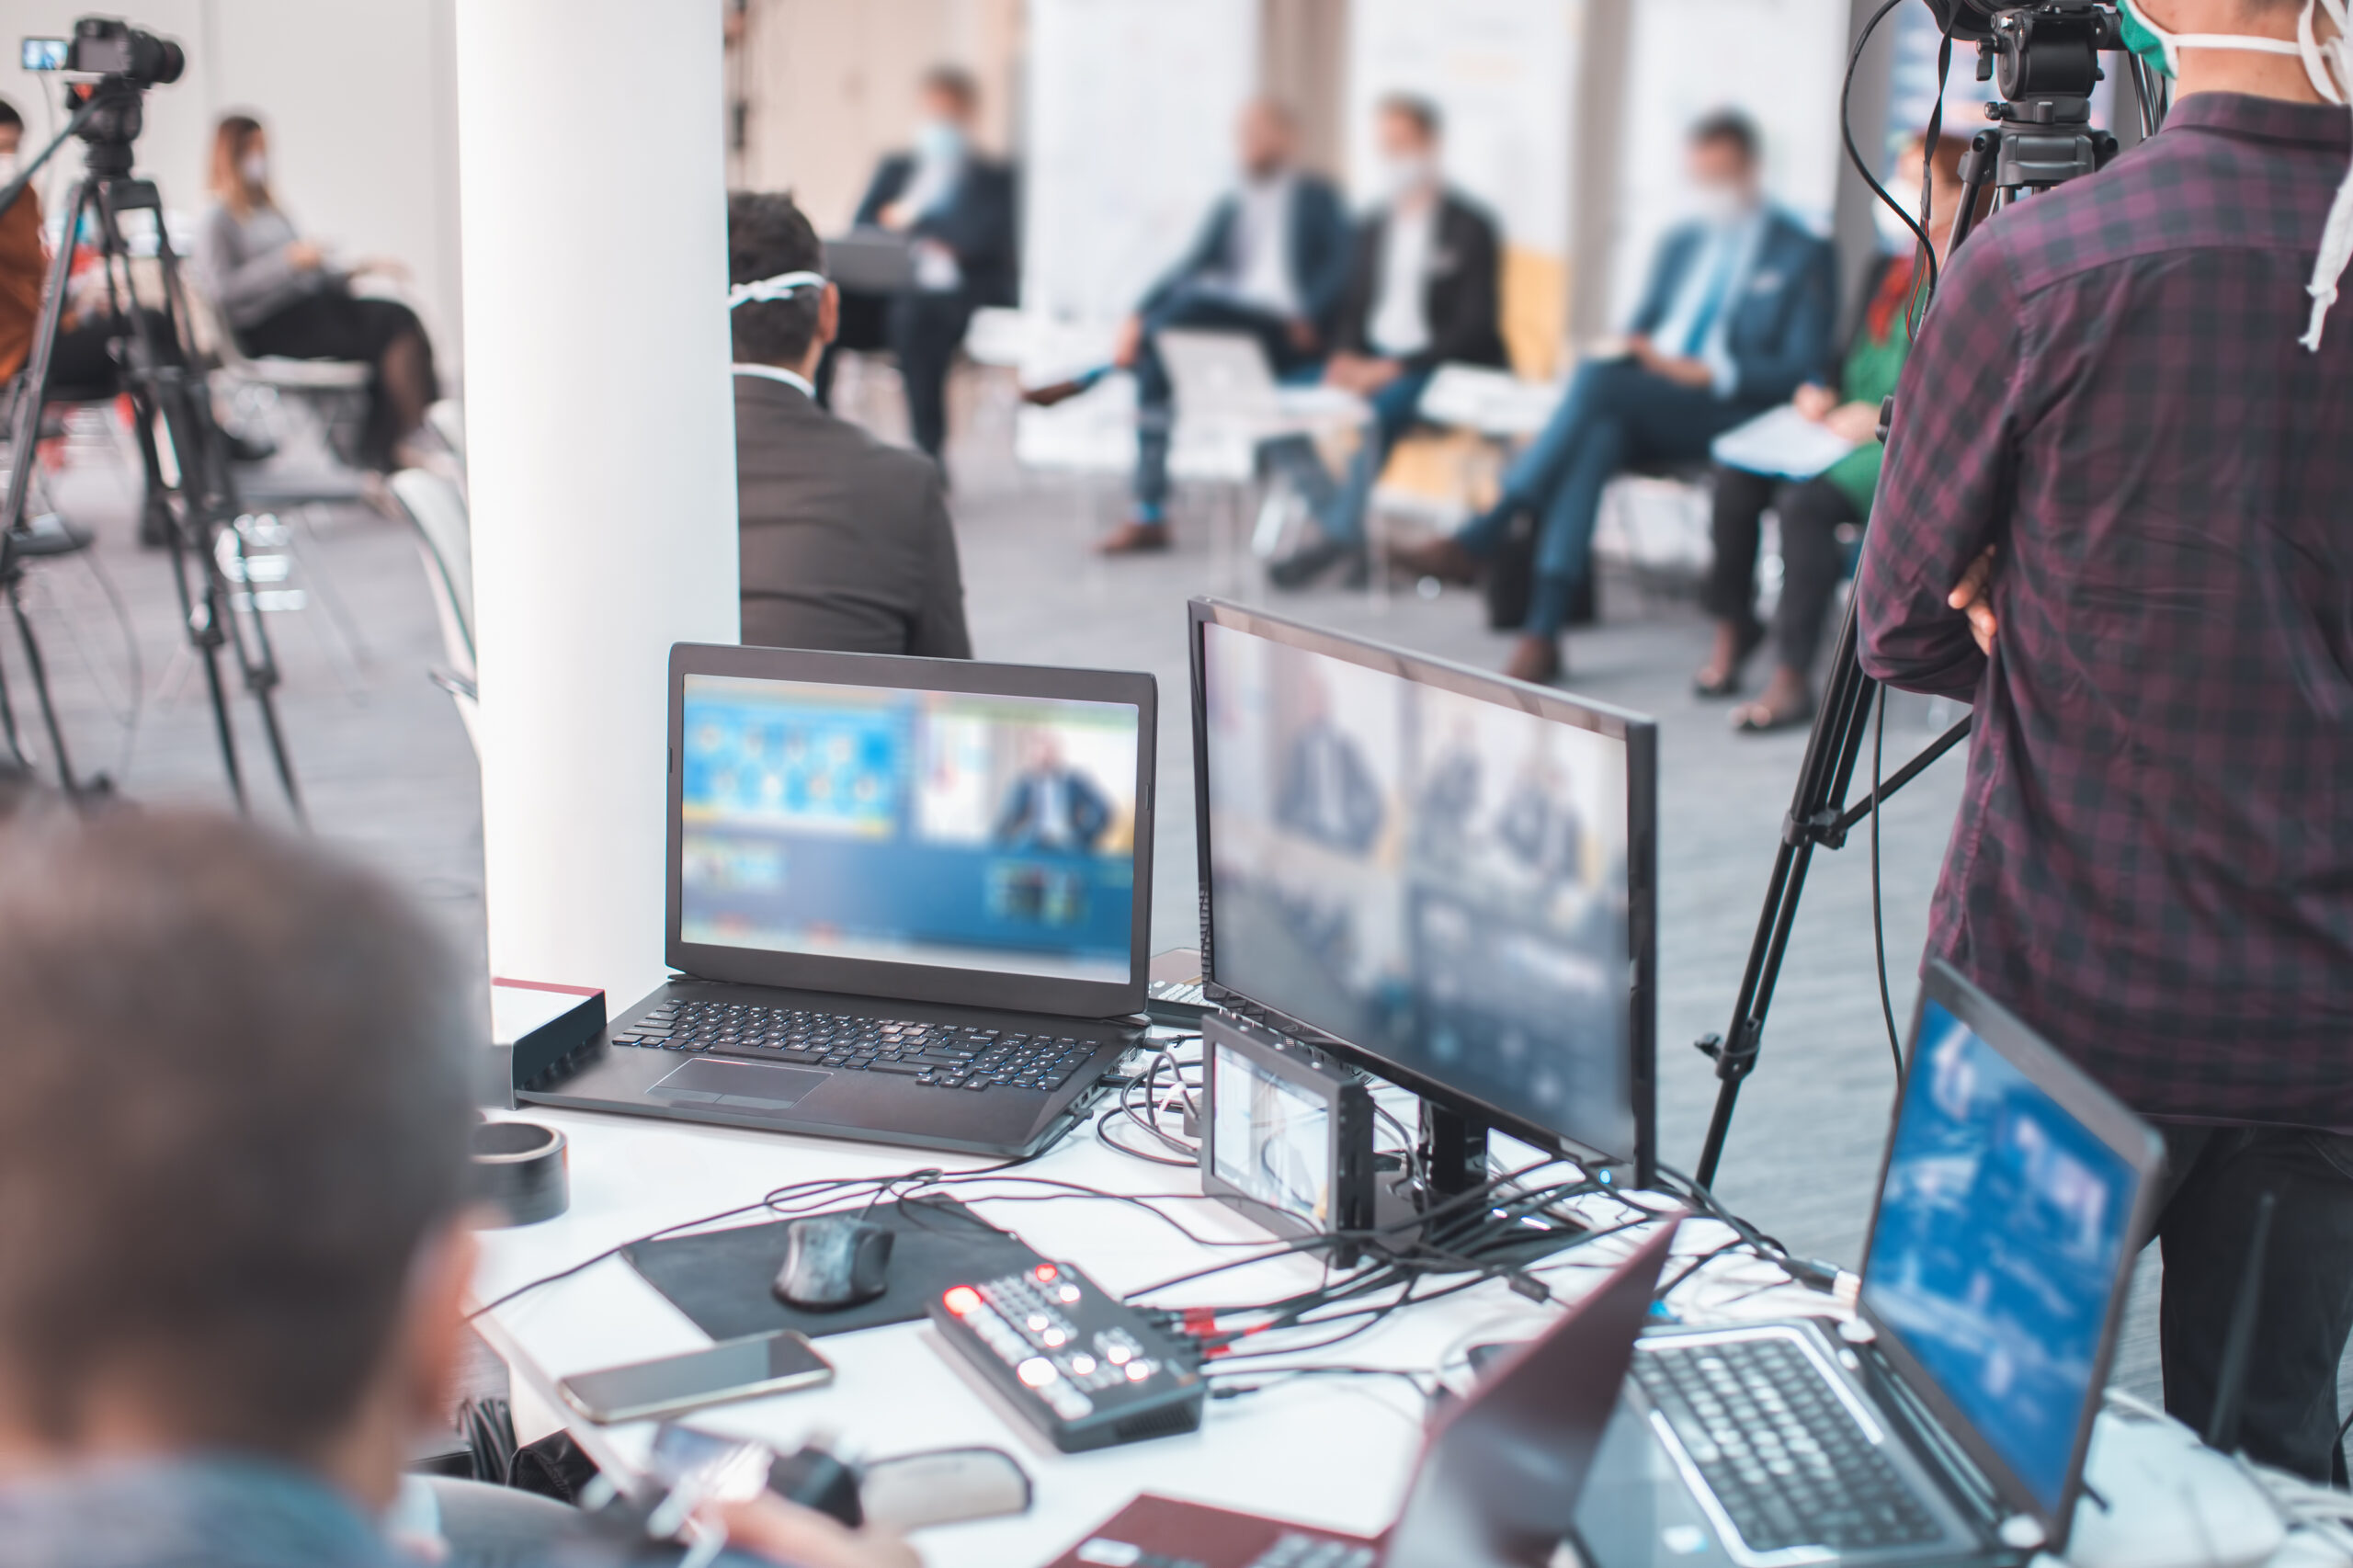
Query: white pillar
x=601 y=457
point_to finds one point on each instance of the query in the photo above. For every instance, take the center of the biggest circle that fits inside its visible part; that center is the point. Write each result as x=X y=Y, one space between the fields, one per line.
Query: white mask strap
x=783 y=286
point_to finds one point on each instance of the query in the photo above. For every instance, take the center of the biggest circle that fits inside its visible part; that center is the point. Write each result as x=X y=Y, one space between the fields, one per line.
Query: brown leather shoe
x=1054 y=393
x=1441 y=558
x=1536 y=660
x=1134 y=537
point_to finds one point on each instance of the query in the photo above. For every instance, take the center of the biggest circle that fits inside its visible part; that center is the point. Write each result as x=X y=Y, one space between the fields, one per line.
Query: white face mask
x=7 y=167
x=937 y=139
x=254 y=167
x=2306 y=47
x=1893 y=233
x=1404 y=175
x=1719 y=205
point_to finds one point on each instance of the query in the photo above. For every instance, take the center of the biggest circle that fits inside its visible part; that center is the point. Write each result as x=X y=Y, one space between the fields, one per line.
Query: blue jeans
x=1616 y=415
x=1189 y=305
x=1340 y=505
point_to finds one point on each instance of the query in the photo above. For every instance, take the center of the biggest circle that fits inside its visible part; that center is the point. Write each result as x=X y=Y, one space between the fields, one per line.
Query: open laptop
x=908 y=901
x=1497 y=1481
x=1949 y=1421
x=870 y=260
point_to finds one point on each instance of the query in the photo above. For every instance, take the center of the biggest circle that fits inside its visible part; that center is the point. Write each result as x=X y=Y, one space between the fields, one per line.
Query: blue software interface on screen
x=950 y=829
x=2000 y=1237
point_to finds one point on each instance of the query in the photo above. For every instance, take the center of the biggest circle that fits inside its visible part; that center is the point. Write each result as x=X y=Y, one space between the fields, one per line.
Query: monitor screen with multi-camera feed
x=949 y=829
x=1436 y=880
x=2001 y=1237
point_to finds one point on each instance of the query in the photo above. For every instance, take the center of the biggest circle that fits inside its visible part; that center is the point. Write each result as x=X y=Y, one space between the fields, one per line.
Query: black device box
x=1304 y=1164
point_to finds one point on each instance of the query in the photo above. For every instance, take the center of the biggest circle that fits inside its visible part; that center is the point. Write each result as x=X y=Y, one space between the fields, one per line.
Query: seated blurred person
x=1737 y=315
x=1051 y=804
x=956 y=207
x=845 y=541
x=1328 y=794
x=1423 y=288
x=234 y=1177
x=1270 y=260
x=24 y=258
x=1811 y=511
x=282 y=295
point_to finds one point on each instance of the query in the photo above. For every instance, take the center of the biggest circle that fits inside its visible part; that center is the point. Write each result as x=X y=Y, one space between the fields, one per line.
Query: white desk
x=1329 y=1451
x=1332 y=1451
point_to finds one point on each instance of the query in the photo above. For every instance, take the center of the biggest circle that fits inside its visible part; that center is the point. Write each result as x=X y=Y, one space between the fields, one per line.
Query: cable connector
x=1527 y=1285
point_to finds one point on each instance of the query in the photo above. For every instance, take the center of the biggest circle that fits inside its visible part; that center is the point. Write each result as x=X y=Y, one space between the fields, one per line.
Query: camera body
x=108 y=46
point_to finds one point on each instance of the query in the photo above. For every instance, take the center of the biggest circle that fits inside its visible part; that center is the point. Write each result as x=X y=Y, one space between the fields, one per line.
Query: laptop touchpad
x=739 y=1085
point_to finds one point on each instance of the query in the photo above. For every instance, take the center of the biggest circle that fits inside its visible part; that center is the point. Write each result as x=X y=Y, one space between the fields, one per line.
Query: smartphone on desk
x=730 y=1369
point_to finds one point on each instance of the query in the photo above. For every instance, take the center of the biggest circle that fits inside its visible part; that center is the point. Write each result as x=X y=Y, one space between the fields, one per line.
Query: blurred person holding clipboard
x=1814 y=461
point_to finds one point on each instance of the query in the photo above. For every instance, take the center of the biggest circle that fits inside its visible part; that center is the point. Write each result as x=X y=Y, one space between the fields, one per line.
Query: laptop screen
x=2003 y=1228
x=951 y=829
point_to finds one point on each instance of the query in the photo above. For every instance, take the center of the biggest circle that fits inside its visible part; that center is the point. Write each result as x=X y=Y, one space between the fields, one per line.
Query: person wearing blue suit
x=1270 y=260
x=1737 y=316
x=959 y=211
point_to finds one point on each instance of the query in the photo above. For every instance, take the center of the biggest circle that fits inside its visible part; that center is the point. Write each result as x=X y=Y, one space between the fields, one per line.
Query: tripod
x=2046 y=61
x=189 y=503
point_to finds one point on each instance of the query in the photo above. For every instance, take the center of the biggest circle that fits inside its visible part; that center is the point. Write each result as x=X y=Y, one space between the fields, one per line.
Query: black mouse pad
x=723 y=1279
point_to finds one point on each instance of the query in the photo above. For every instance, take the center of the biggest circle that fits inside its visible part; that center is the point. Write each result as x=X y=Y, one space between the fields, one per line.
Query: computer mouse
x=832 y=1261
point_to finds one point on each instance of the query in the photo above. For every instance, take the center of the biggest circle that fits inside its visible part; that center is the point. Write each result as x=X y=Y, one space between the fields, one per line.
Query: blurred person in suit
x=1737 y=315
x=1270 y=260
x=956 y=207
x=1050 y=804
x=1328 y=794
x=845 y=541
x=1845 y=400
x=285 y=295
x=1423 y=288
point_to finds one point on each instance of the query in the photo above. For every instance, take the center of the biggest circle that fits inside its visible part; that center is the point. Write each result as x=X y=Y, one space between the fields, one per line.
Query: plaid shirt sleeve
x=1943 y=489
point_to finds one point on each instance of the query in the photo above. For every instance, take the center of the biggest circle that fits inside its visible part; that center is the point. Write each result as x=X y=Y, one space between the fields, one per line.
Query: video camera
x=107 y=46
x=2034 y=49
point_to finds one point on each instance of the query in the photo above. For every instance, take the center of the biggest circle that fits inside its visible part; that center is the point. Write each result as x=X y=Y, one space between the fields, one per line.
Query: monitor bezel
x=1058 y=996
x=2107 y=1119
x=1640 y=736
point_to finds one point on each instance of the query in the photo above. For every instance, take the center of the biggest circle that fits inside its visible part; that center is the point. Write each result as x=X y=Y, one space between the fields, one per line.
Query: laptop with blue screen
x=1949 y=1421
x=908 y=901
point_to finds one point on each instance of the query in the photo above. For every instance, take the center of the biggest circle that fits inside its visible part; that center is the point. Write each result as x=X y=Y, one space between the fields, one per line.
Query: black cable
x=1879 y=921
x=1855 y=155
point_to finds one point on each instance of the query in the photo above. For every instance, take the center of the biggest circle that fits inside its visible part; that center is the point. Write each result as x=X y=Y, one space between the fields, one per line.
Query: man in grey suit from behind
x=845 y=541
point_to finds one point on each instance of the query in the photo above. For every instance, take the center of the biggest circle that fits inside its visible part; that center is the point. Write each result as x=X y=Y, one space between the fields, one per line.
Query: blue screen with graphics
x=950 y=829
x=1999 y=1243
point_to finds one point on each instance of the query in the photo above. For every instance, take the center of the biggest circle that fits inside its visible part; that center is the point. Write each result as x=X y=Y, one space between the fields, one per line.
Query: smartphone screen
x=44 y=54
x=734 y=1368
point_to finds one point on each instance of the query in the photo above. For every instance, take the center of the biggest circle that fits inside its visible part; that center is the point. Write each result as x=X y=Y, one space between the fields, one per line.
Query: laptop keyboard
x=948 y=1056
x=1298 y=1549
x=1788 y=1463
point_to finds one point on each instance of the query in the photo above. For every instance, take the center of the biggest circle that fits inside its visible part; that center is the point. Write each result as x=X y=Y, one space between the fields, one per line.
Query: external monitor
x=931 y=829
x=2015 y=1196
x=1444 y=876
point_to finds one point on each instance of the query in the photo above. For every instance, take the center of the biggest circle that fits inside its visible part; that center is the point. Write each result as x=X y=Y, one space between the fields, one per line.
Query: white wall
x=358 y=97
x=1129 y=140
x=1779 y=60
x=1503 y=74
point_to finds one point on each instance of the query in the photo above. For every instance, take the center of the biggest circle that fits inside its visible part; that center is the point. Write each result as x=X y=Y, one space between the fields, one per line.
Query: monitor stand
x=1452 y=1154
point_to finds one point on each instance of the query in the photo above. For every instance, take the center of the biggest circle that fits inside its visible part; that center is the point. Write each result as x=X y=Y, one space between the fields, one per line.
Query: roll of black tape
x=519 y=1170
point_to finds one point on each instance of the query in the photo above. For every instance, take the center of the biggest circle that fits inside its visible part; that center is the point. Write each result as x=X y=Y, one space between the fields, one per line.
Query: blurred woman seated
x=1811 y=511
x=282 y=295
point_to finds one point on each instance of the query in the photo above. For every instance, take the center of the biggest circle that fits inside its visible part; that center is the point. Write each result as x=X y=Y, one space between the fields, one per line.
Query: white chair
x=334 y=391
x=445 y=542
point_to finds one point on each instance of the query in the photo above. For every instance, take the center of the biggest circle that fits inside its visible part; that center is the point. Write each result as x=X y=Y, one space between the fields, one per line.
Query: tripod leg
x=1830 y=755
x=19 y=762
x=71 y=786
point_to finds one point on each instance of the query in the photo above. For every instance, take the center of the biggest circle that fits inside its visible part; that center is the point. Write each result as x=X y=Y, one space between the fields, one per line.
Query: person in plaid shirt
x=2117 y=516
